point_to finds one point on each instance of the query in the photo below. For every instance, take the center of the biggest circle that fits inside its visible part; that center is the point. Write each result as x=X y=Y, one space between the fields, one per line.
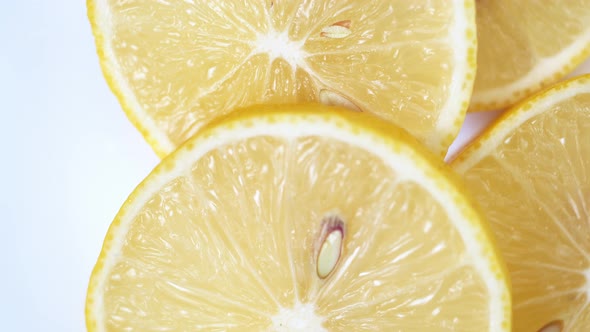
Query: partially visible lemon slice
x=531 y=174
x=176 y=65
x=525 y=45
x=299 y=218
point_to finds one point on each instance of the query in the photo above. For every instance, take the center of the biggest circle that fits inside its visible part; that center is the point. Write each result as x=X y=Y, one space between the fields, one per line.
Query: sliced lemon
x=299 y=218
x=176 y=65
x=526 y=45
x=531 y=174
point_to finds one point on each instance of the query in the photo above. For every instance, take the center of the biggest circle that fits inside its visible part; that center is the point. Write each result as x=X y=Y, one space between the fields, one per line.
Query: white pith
x=460 y=89
x=403 y=163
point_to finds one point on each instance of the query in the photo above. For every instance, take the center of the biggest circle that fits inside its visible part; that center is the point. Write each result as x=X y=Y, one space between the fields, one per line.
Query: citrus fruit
x=299 y=218
x=176 y=65
x=524 y=46
x=530 y=173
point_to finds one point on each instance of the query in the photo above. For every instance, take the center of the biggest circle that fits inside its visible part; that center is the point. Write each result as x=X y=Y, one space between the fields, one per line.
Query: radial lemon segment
x=287 y=86
x=159 y=274
x=227 y=233
x=530 y=175
x=176 y=65
x=416 y=270
x=419 y=83
x=523 y=47
x=539 y=20
x=493 y=18
x=409 y=308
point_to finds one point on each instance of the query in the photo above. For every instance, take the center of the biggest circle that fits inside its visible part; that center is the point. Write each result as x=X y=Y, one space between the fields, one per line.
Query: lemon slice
x=176 y=65
x=526 y=45
x=299 y=218
x=530 y=172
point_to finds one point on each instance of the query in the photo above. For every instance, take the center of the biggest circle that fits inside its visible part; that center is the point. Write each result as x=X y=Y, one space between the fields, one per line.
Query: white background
x=69 y=158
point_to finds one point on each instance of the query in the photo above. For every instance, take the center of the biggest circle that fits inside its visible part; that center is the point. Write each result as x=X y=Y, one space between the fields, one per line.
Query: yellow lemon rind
x=511 y=119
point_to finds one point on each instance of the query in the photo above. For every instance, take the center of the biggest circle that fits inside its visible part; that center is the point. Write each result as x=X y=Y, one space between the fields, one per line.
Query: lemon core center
x=300 y=318
x=279 y=45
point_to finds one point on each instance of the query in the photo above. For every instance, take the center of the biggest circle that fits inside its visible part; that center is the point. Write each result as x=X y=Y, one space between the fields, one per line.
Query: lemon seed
x=331 y=246
x=328 y=97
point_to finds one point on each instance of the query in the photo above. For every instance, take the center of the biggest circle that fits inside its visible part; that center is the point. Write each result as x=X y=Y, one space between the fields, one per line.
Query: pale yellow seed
x=332 y=98
x=329 y=253
x=335 y=31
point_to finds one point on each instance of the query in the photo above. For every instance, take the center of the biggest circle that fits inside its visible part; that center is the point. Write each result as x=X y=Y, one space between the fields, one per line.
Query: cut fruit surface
x=531 y=174
x=524 y=46
x=176 y=65
x=299 y=218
